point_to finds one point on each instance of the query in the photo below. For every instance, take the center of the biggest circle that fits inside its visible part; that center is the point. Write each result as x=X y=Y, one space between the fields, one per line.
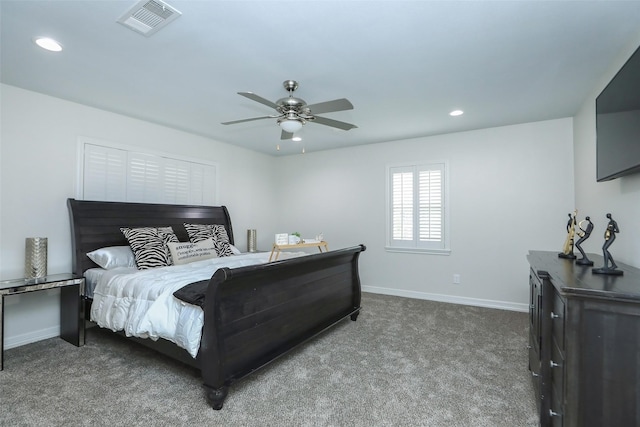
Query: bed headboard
x=96 y=225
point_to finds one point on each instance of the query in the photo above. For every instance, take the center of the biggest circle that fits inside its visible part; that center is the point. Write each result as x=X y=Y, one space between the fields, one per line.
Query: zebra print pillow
x=200 y=232
x=149 y=245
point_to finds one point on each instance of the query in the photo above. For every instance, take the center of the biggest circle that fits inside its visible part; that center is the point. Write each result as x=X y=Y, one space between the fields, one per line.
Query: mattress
x=141 y=302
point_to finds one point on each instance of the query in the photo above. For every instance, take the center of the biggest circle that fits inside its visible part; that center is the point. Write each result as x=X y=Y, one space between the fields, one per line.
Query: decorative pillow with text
x=185 y=252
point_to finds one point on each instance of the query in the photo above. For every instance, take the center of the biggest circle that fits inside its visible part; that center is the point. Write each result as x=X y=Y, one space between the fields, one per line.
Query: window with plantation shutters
x=115 y=173
x=417 y=211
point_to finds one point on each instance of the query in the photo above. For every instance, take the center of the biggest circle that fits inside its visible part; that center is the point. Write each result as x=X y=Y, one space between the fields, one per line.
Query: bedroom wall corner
x=510 y=187
x=39 y=159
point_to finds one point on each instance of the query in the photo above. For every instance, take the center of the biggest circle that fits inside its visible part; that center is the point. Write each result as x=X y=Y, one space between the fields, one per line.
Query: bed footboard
x=255 y=314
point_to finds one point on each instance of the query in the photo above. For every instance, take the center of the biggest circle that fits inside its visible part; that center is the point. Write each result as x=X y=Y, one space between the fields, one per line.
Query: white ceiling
x=403 y=64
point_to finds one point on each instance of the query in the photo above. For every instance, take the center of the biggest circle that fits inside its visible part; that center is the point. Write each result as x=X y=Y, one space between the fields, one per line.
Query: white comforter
x=141 y=302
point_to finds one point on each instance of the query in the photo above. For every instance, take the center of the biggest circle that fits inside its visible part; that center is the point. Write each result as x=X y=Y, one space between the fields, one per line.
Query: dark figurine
x=567 y=249
x=584 y=234
x=610 y=266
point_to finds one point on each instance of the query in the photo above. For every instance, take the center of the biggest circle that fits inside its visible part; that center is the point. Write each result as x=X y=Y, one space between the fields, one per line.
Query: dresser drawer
x=557 y=320
x=534 y=367
x=557 y=364
x=556 y=413
x=534 y=349
x=535 y=287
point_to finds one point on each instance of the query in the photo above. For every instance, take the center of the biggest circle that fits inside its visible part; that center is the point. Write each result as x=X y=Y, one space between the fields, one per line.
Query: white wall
x=511 y=189
x=620 y=197
x=38 y=173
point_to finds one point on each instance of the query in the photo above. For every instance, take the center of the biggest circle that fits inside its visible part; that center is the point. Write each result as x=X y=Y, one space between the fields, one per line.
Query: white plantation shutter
x=117 y=174
x=144 y=178
x=105 y=173
x=402 y=205
x=430 y=192
x=176 y=182
x=417 y=207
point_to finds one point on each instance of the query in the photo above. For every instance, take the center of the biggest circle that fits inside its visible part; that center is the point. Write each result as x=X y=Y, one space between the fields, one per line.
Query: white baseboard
x=501 y=305
x=28 y=338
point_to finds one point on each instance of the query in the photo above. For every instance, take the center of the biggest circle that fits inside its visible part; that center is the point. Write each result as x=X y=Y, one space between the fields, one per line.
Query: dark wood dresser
x=584 y=352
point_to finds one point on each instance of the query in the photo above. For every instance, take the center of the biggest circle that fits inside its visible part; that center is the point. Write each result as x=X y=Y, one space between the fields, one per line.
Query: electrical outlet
x=456 y=279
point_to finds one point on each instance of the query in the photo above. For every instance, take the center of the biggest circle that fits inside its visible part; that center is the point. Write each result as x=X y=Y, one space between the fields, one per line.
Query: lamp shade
x=291 y=125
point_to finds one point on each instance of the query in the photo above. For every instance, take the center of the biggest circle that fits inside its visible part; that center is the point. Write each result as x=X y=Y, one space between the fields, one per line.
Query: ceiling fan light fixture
x=291 y=125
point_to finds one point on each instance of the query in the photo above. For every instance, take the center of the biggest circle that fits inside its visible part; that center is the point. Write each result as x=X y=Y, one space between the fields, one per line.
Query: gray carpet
x=405 y=362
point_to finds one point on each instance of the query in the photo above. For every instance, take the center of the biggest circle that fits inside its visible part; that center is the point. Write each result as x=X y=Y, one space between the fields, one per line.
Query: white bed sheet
x=141 y=302
x=94 y=275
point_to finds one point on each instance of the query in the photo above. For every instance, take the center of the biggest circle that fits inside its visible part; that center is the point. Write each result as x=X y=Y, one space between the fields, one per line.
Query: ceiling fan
x=293 y=112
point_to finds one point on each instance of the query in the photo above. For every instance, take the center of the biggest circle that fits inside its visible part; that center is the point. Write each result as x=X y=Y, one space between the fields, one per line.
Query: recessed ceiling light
x=48 y=44
x=296 y=139
x=456 y=113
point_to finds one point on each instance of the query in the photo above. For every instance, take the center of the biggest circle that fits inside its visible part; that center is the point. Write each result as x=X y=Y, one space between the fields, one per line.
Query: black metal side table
x=71 y=304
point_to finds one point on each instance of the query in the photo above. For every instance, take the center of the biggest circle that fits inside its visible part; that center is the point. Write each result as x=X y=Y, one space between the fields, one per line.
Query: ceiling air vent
x=148 y=16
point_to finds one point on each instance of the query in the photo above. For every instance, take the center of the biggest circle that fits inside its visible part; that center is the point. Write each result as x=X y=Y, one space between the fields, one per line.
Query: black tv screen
x=618 y=123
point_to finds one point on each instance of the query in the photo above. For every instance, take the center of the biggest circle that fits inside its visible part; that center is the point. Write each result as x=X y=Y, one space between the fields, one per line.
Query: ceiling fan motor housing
x=291 y=115
x=290 y=103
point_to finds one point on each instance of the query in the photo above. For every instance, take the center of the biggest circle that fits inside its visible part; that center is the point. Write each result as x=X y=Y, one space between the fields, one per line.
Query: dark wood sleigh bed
x=252 y=315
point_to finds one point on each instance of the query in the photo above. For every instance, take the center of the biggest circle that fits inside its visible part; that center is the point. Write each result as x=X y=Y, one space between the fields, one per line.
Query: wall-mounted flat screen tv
x=618 y=123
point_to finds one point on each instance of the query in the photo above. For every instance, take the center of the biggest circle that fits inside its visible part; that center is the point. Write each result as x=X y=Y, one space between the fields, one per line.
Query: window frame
x=442 y=247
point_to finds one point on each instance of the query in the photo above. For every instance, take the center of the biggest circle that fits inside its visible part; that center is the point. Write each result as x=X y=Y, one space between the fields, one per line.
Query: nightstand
x=71 y=304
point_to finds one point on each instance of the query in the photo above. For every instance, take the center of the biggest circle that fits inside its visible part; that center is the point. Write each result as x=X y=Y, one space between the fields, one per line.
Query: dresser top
x=573 y=279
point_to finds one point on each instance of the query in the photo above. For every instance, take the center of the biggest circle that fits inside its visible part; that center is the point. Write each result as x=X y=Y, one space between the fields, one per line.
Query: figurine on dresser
x=567 y=248
x=610 y=266
x=584 y=234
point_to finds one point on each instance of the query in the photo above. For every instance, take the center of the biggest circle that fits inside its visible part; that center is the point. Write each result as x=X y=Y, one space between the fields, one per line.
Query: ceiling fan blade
x=286 y=135
x=333 y=123
x=248 y=120
x=259 y=99
x=330 y=106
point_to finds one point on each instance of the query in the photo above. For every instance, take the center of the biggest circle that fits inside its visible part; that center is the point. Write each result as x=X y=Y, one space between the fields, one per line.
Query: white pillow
x=113 y=257
x=185 y=252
